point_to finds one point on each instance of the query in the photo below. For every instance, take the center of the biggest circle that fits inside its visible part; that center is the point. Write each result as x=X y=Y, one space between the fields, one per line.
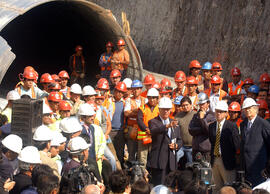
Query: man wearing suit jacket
x=225 y=144
x=255 y=143
x=166 y=141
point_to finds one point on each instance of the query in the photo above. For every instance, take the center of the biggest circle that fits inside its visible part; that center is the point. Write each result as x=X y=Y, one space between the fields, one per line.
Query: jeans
x=188 y=153
x=108 y=154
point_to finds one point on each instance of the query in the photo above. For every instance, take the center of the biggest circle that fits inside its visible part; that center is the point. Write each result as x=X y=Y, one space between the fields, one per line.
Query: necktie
x=216 y=149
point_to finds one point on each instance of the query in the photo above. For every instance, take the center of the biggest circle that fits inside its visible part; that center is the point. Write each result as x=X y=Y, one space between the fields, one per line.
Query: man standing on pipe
x=77 y=66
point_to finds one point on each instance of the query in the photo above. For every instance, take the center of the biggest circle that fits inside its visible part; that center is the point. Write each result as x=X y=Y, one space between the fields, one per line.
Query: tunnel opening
x=46 y=35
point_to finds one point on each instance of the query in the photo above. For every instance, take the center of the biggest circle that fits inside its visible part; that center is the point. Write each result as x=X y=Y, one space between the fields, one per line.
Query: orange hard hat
x=265 y=77
x=109 y=44
x=29 y=74
x=216 y=80
x=121 y=42
x=194 y=64
x=46 y=78
x=121 y=86
x=29 y=68
x=262 y=104
x=54 y=86
x=63 y=74
x=78 y=48
x=179 y=76
x=249 y=81
x=103 y=84
x=55 y=97
x=217 y=66
x=165 y=82
x=156 y=85
x=149 y=79
x=234 y=106
x=115 y=73
x=55 y=77
x=165 y=90
x=191 y=80
x=36 y=74
x=64 y=105
x=235 y=71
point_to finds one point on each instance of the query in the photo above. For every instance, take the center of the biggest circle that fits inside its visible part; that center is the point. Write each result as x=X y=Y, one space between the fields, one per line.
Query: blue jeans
x=188 y=153
x=108 y=154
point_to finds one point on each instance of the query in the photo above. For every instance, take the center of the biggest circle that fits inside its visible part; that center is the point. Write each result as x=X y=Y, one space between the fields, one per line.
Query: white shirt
x=214 y=99
x=265 y=185
x=252 y=121
x=166 y=122
x=221 y=126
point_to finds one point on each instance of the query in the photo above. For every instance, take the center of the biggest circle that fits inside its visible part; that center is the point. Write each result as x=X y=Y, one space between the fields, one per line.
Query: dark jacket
x=229 y=143
x=161 y=155
x=255 y=149
x=23 y=181
x=198 y=128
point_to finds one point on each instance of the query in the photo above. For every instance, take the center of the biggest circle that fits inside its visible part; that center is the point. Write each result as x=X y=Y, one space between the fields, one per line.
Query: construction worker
x=64 y=77
x=53 y=99
x=194 y=70
x=54 y=87
x=145 y=114
x=217 y=70
x=192 y=85
x=11 y=96
x=264 y=81
x=77 y=66
x=214 y=93
x=207 y=74
x=115 y=78
x=165 y=91
x=47 y=116
x=45 y=80
x=149 y=79
x=56 y=78
x=177 y=106
x=180 y=81
x=247 y=83
x=105 y=61
x=89 y=94
x=75 y=98
x=262 y=95
x=156 y=85
x=263 y=107
x=64 y=109
x=235 y=87
x=128 y=83
x=120 y=59
x=235 y=113
x=103 y=87
x=253 y=92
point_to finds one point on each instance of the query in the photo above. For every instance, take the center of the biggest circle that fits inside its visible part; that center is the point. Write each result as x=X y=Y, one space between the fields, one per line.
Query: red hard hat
x=121 y=86
x=262 y=104
x=249 y=81
x=46 y=78
x=115 y=73
x=265 y=77
x=179 y=76
x=216 y=66
x=121 y=42
x=55 y=97
x=234 y=106
x=109 y=44
x=64 y=105
x=36 y=74
x=235 y=71
x=191 y=80
x=195 y=64
x=103 y=84
x=165 y=82
x=54 y=86
x=149 y=79
x=216 y=80
x=29 y=75
x=29 y=68
x=164 y=90
x=156 y=85
x=63 y=74
x=55 y=77
x=78 y=48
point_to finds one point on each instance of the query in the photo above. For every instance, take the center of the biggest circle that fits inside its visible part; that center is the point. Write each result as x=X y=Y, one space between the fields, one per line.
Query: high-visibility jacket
x=131 y=121
x=147 y=116
x=222 y=93
x=237 y=90
x=194 y=103
x=105 y=62
x=177 y=93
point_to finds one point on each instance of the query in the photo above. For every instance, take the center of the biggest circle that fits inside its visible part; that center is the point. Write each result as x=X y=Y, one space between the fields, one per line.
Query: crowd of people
x=127 y=136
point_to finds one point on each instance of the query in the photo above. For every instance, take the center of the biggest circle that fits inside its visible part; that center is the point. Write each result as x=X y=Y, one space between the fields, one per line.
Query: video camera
x=134 y=170
x=240 y=182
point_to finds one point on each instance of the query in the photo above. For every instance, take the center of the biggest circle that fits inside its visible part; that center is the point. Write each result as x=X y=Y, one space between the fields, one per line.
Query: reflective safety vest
x=194 y=103
x=237 y=90
x=109 y=68
x=222 y=93
x=147 y=116
x=33 y=95
x=131 y=121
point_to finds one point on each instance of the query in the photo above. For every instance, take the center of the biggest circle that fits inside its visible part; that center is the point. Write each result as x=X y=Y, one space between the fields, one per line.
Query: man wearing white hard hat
x=166 y=140
x=89 y=94
x=128 y=83
x=225 y=146
x=255 y=144
x=75 y=98
x=11 y=96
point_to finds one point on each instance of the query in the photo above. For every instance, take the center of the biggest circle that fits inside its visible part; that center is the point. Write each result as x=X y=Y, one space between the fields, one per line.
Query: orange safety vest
x=199 y=78
x=175 y=91
x=131 y=121
x=109 y=68
x=147 y=116
x=237 y=90
x=222 y=93
x=32 y=90
x=74 y=62
x=194 y=104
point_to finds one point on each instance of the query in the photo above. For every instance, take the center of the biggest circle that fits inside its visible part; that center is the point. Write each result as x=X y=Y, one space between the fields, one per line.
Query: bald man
x=227 y=190
x=91 y=189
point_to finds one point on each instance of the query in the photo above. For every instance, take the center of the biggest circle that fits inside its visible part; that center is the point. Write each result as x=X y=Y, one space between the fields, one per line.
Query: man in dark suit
x=255 y=144
x=166 y=141
x=225 y=144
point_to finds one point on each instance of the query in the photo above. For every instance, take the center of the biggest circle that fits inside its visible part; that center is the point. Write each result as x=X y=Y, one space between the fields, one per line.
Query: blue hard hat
x=177 y=100
x=136 y=84
x=207 y=65
x=254 y=89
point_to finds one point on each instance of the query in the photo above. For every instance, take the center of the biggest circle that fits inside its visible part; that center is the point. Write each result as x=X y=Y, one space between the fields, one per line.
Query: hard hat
x=54 y=86
x=136 y=84
x=153 y=92
x=191 y=80
x=265 y=77
x=121 y=42
x=222 y=105
x=30 y=154
x=70 y=125
x=86 y=110
x=202 y=98
x=63 y=74
x=88 y=91
x=216 y=66
x=254 y=89
x=165 y=82
x=177 y=100
x=121 y=86
x=36 y=74
x=64 y=105
x=194 y=64
x=76 y=89
x=165 y=90
x=115 y=73
x=46 y=78
x=235 y=71
x=235 y=106
x=207 y=66
x=78 y=48
x=77 y=145
x=13 y=143
x=57 y=139
x=262 y=104
x=156 y=85
x=103 y=84
x=13 y=95
x=248 y=102
x=248 y=81
x=46 y=109
x=42 y=133
x=55 y=97
x=128 y=82
x=55 y=77
x=179 y=76
x=29 y=68
x=149 y=79
x=109 y=44
x=29 y=75
x=165 y=102
x=216 y=80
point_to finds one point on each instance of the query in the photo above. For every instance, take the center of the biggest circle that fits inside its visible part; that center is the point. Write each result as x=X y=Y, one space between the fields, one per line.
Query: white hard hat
x=30 y=154
x=86 y=109
x=76 y=145
x=248 y=102
x=76 y=89
x=70 y=125
x=13 y=143
x=57 y=139
x=13 y=95
x=222 y=105
x=42 y=133
x=153 y=92
x=128 y=82
x=46 y=109
x=165 y=102
x=88 y=91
